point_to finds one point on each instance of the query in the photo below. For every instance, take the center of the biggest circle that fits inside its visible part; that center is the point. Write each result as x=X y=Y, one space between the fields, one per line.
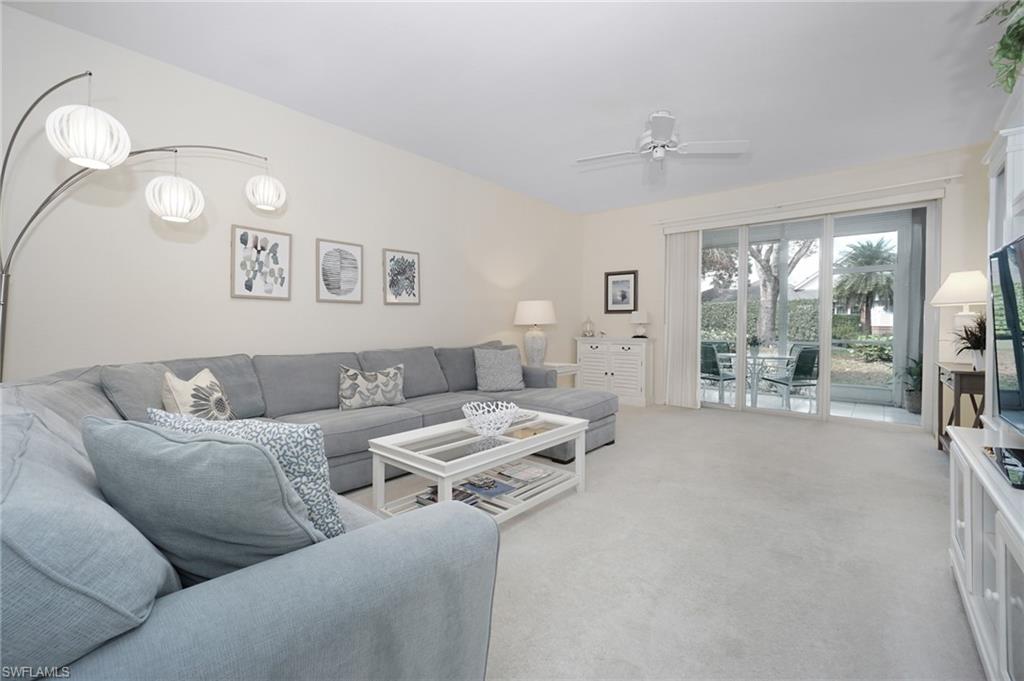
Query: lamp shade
x=638 y=317
x=530 y=312
x=174 y=198
x=265 y=192
x=88 y=137
x=962 y=288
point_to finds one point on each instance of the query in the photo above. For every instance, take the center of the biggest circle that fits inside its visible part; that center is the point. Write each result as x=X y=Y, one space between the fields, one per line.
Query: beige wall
x=629 y=239
x=103 y=280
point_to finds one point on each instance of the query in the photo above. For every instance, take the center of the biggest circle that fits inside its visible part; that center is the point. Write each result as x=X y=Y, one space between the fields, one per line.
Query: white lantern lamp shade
x=174 y=198
x=534 y=313
x=265 y=192
x=962 y=289
x=88 y=137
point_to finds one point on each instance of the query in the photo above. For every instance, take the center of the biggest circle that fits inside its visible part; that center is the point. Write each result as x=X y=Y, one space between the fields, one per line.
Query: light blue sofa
x=404 y=598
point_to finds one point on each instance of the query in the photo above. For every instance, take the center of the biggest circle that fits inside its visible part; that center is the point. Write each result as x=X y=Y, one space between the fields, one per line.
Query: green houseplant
x=1008 y=54
x=973 y=338
x=912 y=375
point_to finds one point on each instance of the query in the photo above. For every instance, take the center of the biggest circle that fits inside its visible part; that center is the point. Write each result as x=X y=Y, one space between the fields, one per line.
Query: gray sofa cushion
x=440 y=408
x=297 y=383
x=75 y=572
x=297 y=447
x=348 y=432
x=459 y=367
x=581 y=403
x=211 y=503
x=423 y=375
x=498 y=369
x=235 y=374
x=60 y=400
x=134 y=388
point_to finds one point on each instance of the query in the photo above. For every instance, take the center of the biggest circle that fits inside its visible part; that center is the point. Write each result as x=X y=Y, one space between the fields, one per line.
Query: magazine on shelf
x=487 y=486
x=429 y=496
x=524 y=472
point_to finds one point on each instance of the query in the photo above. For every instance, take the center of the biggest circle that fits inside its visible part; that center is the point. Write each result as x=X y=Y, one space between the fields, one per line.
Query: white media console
x=987 y=550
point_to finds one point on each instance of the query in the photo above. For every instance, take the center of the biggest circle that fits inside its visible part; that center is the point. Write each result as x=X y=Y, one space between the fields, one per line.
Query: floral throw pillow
x=358 y=389
x=297 y=447
x=201 y=396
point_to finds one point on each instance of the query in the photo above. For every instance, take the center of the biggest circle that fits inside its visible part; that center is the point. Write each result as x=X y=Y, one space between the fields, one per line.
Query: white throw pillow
x=201 y=396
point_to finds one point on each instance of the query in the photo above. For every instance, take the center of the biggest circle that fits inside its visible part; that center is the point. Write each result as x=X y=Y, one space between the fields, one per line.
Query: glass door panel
x=877 y=315
x=783 y=264
x=718 y=305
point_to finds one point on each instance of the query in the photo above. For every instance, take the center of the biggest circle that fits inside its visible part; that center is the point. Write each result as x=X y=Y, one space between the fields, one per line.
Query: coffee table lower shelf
x=503 y=506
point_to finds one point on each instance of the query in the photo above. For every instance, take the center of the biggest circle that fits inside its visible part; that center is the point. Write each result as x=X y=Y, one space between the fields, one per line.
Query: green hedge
x=718 y=321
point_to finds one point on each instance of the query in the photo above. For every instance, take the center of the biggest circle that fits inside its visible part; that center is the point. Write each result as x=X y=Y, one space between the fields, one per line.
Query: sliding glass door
x=763 y=310
x=878 y=315
x=782 y=312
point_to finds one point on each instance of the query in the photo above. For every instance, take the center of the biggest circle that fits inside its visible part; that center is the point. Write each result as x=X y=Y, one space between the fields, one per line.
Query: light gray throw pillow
x=134 y=388
x=498 y=369
x=358 y=389
x=211 y=503
x=298 y=448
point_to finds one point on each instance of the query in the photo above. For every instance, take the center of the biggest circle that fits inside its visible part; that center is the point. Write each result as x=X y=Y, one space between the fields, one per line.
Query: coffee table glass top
x=463 y=441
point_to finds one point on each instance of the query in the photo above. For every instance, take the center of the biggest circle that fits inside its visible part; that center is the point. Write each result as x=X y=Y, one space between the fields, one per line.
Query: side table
x=962 y=379
x=566 y=369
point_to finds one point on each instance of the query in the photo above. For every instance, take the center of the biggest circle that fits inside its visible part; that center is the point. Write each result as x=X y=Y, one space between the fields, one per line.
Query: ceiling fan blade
x=713 y=148
x=601 y=156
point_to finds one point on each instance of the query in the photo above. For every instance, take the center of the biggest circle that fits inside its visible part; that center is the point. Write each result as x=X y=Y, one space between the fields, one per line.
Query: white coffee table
x=448 y=453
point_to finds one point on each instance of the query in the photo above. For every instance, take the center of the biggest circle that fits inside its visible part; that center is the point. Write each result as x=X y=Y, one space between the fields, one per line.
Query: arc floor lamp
x=96 y=141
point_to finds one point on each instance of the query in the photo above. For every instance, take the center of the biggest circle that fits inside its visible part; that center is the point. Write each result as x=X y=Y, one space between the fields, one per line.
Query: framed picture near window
x=620 y=291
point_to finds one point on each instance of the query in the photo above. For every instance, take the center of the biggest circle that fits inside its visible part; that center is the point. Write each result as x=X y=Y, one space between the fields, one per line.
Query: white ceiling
x=515 y=92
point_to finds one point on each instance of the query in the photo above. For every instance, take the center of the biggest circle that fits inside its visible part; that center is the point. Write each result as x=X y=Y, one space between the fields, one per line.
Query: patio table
x=756 y=365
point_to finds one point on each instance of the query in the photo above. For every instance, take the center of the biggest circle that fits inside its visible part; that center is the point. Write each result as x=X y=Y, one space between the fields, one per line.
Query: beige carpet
x=719 y=545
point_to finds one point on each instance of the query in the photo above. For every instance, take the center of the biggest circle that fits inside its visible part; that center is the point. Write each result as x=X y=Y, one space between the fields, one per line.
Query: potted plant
x=912 y=375
x=753 y=344
x=972 y=337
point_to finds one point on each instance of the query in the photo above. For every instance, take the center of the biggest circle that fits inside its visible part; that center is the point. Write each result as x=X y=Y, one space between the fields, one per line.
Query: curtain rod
x=675 y=221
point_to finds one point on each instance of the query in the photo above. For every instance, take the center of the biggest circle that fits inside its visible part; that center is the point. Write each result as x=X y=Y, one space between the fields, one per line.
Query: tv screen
x=1006 y=267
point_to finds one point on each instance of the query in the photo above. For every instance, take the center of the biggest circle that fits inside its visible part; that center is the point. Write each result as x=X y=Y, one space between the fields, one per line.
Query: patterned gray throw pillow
x=498 y=369
x=298 y=448
x=201 y=395
x=358 y=389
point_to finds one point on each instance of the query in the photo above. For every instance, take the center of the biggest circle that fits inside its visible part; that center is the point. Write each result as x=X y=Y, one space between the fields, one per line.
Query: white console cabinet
x=624 y=366
x=986 y=549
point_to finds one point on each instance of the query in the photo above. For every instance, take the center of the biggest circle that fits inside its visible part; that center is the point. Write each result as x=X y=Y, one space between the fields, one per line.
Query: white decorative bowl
x=490 y=418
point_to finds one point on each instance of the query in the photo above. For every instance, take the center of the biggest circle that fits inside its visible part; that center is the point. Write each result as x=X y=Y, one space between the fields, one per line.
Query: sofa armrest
x=406 y=598
x=539 y=377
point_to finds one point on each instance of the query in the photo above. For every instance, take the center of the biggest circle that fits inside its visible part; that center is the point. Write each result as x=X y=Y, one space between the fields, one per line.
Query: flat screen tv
x=1007 y=278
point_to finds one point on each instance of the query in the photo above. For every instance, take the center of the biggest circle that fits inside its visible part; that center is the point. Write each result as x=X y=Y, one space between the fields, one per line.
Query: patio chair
x=711 y=368
x=800 y=372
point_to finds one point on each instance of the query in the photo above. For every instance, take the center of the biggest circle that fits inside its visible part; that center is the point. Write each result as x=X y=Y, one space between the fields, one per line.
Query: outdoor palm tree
x=863 y=289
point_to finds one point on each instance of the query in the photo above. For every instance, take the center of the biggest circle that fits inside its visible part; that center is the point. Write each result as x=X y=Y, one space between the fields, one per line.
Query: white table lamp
x=962 y=289
x=640 y=321
x=535 y=313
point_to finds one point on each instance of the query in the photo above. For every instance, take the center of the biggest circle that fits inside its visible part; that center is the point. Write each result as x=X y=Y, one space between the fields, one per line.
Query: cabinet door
x=594 y=371
x=1011 y=604
x=959 y=496
x=627 y=374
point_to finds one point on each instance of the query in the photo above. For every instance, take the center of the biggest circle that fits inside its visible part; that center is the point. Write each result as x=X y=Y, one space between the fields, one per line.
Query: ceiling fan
x=659 y=138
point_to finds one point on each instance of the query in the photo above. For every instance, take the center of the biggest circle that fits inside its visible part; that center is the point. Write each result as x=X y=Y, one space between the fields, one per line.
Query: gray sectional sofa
x=82 y=587
x=304 y=389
